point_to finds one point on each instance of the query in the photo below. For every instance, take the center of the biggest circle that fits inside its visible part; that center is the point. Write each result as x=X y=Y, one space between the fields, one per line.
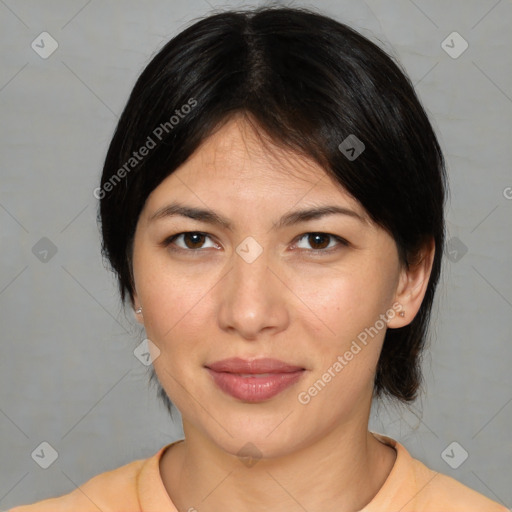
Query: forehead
x=239 y=149
x=240 y=157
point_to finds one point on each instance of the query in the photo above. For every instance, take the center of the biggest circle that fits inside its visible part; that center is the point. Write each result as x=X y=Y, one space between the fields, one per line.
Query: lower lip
x=254 y=389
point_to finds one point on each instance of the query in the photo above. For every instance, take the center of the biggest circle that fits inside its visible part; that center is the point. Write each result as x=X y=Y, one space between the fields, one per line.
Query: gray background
x=68 y=375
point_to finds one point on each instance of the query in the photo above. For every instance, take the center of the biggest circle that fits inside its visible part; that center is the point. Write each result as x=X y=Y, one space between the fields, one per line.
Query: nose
x=252 y=299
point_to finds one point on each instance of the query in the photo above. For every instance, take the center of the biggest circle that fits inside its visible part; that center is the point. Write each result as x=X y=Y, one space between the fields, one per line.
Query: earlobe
x=137 y=310
x=138 y=315
x=412 y=285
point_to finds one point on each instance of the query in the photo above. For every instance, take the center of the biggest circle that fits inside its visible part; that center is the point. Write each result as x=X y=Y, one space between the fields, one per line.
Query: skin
x=206 y=303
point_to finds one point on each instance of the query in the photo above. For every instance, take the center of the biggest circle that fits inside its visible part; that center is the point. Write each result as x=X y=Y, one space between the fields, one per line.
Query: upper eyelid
x=338 y=238
x=332 y=235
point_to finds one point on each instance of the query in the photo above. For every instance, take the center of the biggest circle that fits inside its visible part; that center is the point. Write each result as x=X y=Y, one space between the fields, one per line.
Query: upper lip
x=253 y=366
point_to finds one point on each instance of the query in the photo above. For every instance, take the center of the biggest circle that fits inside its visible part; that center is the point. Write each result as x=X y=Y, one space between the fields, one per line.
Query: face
x=255 y=280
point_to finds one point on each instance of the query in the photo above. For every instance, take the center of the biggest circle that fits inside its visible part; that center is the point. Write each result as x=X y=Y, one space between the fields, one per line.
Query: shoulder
x=436 y=489
x=118 y=486
x=415 y=487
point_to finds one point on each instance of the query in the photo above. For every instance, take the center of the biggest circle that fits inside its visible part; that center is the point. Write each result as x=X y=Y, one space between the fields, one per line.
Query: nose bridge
x=250 y=272
x=250 y=301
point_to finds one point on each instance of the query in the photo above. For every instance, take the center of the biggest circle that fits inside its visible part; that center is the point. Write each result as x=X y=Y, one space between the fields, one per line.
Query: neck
x=341 y=471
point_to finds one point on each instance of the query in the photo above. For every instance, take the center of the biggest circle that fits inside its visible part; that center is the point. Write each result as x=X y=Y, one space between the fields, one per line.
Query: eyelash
x=169 y=241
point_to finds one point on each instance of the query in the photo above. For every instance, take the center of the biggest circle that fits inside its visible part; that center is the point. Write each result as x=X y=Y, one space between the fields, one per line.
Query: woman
x=272 y=204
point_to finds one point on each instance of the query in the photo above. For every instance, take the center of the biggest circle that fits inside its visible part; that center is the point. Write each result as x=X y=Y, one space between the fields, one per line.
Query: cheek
x=169 y=304
x=174 y=319
x=177 y=305
x=344 y=302
x=345 y=333
x=345 y=345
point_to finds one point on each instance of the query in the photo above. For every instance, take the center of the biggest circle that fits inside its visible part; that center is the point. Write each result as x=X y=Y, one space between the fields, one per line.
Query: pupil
x=197 y=239
x=316 y=239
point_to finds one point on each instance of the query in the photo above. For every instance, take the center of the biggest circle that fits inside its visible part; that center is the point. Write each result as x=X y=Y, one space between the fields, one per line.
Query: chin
x=245 y=436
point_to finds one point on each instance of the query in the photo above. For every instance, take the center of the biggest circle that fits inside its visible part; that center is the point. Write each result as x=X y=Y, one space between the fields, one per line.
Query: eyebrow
x=211 y=217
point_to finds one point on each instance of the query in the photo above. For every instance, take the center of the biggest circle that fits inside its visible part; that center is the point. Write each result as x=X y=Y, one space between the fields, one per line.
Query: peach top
x=138 y=487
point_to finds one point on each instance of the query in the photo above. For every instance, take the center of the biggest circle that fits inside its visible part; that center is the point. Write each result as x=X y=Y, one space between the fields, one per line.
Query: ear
x=412 y=285
x=136 y=305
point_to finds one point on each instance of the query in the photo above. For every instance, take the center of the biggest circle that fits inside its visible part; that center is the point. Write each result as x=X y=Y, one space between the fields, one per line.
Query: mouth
x=255 y=380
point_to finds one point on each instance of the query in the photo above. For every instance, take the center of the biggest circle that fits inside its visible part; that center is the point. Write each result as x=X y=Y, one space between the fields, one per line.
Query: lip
x=254 y=380
x=253 y=366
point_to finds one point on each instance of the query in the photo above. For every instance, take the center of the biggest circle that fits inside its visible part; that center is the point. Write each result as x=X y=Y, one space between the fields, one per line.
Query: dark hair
x=307 y=82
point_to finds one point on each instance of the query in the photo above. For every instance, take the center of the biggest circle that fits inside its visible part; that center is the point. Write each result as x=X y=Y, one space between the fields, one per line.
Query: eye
x=189 y=241
x=321 y=242
x=193 y=241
